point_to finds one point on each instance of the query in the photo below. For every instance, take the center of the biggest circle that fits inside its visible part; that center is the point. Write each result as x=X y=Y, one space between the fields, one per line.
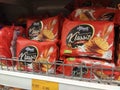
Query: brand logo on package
x=28 y=54
x=35 y=29
x=79 y=35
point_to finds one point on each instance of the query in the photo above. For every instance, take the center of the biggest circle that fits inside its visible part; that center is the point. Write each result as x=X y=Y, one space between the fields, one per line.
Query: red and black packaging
x=93 y=14
x=43 y=30
x=87 y=68
x=35 y=56
x=90 y=38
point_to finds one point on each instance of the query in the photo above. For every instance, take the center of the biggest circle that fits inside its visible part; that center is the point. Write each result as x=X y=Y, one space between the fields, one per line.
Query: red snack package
x=90 y=13
x=105 y=14
x=83 y=67
x=31 y=20
x=94 y=39
x=29 y=23
x=6 y=35
x=31 y=52
x=83 y=14
x=44 y=30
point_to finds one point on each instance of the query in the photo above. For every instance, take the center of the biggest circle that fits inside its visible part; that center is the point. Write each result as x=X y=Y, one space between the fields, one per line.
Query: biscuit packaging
x=6 y=35
x=31 y=19
x=88 y=38
x=83 y=14
x=75 y=67
x=35 y=56
x=44 y=30
x=85 y=67
x=90 y=14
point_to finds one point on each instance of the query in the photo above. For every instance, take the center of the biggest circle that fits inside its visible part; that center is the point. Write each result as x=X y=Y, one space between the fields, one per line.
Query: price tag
x=44 y=85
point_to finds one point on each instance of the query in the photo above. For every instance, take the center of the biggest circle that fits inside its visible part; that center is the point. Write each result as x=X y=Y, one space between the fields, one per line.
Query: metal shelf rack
x=10 y=76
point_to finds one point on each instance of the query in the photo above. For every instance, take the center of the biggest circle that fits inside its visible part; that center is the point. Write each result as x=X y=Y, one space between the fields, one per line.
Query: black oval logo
x=35 y=29
x=28 y=54
x=79 y=35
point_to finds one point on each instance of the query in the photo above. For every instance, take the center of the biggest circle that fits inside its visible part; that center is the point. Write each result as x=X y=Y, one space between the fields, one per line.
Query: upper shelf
x=12 y=9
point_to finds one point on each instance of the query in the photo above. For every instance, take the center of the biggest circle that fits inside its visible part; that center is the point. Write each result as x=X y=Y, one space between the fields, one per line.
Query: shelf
x=24 y=80
x=12 y=10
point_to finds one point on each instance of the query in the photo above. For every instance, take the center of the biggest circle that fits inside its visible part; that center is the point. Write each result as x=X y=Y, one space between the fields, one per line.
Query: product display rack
x=24 y=80
x=10 y=76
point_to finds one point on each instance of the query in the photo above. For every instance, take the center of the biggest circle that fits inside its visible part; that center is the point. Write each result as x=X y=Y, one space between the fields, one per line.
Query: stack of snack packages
x=7 y=44
x=88 y=44
x=38 y=51
x=6 y=33
x=86 y=41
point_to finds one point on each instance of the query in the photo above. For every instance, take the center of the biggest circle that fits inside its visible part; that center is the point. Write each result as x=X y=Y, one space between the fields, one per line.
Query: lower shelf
x=24 y=80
